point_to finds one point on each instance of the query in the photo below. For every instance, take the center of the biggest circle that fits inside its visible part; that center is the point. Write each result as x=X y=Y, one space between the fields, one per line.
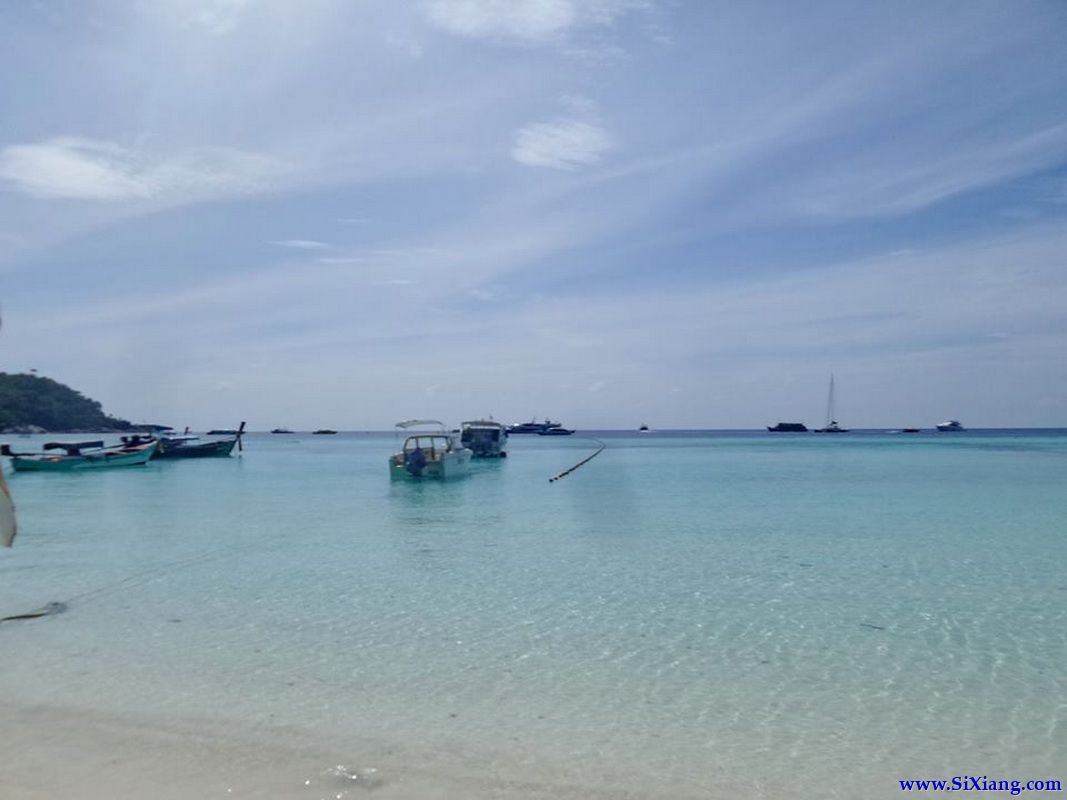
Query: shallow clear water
x=692 y=614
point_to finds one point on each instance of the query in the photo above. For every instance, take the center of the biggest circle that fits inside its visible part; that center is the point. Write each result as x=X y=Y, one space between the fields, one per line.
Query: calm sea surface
x=691 y=614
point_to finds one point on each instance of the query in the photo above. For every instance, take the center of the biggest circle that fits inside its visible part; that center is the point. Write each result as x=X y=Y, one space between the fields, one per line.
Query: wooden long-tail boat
x=68 y=456
x=191 y=446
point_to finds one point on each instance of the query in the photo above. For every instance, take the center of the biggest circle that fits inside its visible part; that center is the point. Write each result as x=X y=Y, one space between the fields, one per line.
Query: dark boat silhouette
x=533 y=426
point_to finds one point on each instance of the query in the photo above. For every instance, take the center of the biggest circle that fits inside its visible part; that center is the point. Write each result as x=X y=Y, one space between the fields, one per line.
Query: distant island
x=32 y=404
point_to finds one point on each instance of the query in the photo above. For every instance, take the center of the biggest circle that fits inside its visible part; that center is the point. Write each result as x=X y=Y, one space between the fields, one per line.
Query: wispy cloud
x=883 y=183
x=563 y=144
x=530 y=21
x=300 y=244
x=215 y=17
x=341 y=260
x=87 y=169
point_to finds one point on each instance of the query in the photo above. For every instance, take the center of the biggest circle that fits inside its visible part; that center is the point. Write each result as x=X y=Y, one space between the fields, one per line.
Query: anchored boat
x=951 y=425
x=548 y=428
x=436 y=454
x=831 y=423
x=186 y=446
x=484 y=438
x=67 y=456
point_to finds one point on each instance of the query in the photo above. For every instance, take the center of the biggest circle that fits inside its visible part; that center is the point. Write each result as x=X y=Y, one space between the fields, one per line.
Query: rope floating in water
x=55 y=607
x=585 y=460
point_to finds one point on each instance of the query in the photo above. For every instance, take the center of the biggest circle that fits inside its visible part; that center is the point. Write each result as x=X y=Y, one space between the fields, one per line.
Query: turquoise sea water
x=691 y=614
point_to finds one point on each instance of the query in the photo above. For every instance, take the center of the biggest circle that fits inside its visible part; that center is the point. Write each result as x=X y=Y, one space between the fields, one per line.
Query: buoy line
x=138 y=578
x=585 y=460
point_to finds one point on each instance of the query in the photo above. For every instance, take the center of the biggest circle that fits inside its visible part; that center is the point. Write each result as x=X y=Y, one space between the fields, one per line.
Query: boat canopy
x=481 y=423
x=429 y=441
x=411 y=423
x=72 y=448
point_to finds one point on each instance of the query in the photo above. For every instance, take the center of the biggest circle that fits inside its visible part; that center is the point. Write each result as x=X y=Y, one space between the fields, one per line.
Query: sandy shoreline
x=62 y=752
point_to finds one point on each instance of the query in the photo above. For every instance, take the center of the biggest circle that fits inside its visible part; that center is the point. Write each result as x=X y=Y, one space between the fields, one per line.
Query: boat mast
x=830 y=403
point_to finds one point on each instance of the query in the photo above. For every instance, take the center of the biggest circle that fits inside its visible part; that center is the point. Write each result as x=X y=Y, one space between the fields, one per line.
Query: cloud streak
x=86 y=169
x=563 y=144
x=300 y=244
x=525 y=21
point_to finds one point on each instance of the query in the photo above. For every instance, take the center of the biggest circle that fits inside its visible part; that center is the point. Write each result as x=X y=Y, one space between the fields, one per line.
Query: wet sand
x=90 y=755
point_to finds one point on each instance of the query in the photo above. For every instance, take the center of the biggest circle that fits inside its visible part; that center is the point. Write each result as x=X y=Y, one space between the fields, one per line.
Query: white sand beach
x=92 y=755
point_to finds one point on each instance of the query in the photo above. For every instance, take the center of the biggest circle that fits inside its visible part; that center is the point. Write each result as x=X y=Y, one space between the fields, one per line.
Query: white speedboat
x=485 y=438
x=436 y=454
x=951 y=425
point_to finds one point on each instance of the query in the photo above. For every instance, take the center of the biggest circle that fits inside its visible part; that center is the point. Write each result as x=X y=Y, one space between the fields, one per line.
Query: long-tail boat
x=186 y=446
x=67 y=456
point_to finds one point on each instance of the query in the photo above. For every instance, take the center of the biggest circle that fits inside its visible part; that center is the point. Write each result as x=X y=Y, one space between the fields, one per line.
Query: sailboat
x=831 y=423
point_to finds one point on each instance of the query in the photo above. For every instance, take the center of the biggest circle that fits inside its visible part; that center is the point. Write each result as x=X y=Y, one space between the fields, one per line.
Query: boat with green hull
x=70 y=456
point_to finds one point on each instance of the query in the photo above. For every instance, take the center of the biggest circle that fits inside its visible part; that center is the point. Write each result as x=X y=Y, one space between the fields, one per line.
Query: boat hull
x=205 y=450
x=103 y=460
x=448 y=466
x=536 y=427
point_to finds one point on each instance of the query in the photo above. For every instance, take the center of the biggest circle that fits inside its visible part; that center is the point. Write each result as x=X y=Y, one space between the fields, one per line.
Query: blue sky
x=614 y=212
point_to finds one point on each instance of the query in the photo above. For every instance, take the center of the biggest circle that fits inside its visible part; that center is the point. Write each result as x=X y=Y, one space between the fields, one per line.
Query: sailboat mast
x=830 y=403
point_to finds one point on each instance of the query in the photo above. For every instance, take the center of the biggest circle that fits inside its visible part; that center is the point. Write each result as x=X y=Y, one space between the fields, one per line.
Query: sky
x=679 y=213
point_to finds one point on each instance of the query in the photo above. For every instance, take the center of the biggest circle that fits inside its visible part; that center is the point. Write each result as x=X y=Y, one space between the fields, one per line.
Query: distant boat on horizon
x=319 y=432
x=533 y=426
x=951 y=425
x=281 y=430
x=558 y=430
x=831 y=423
x=788 y=427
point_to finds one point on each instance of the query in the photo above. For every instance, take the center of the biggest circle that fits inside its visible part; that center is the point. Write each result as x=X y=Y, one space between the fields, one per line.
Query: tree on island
x=29 y=402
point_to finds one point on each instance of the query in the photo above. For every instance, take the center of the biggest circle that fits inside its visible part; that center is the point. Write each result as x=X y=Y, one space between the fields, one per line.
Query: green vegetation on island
x=31 y=404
